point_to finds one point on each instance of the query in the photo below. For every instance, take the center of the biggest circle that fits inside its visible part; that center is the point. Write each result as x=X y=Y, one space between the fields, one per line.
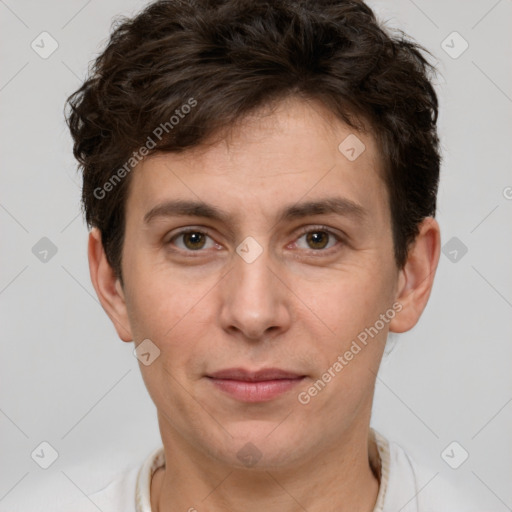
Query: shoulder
x=410 y=487
x=115 y=495
x=128 y=490
x=119 y=493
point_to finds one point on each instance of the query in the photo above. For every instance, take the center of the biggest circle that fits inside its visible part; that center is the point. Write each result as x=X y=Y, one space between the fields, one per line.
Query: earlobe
x=417 y=277
x=107 y=286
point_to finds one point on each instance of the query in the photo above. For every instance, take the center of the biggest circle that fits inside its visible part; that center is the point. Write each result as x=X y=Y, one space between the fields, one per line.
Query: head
x=295 y=143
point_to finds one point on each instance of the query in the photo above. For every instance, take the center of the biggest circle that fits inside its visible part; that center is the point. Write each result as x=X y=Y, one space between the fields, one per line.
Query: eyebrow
x=331 y=205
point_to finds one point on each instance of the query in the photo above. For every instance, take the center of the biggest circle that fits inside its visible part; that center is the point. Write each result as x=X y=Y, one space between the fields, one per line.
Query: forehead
x=295 y=150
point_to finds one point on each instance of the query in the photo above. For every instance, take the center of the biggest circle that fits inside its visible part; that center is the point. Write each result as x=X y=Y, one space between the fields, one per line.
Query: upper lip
x=254 y=376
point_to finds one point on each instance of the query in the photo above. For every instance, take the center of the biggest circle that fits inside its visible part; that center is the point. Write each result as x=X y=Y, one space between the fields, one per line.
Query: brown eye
x=317 y=239
x=192 y=241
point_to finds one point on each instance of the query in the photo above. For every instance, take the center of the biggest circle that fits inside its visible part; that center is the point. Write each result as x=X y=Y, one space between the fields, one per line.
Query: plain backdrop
x=67 y=380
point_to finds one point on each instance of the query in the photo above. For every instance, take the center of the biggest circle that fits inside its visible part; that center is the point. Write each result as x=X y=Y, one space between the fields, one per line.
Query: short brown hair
x=232 y=57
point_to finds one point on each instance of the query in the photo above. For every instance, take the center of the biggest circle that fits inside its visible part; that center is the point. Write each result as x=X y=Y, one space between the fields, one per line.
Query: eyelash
x=304 y=231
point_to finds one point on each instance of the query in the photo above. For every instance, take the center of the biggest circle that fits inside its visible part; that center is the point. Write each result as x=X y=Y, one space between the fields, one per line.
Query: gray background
x=65 y=377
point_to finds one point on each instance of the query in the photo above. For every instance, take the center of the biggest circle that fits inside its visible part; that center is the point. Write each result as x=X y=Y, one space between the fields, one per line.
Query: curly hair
x=228 y=58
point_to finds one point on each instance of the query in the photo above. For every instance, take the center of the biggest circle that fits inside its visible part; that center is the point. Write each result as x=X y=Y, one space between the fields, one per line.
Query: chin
x=261 y=445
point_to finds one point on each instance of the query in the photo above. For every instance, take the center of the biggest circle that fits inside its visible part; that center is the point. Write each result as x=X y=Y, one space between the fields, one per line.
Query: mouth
x=255 y=386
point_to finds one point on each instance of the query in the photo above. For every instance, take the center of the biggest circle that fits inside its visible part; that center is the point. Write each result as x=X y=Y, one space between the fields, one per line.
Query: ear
x=108 y=287
x=416 y=279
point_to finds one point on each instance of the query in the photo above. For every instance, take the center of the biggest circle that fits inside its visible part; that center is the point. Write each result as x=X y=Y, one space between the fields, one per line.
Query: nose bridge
x=253 y=276
x=253 y=299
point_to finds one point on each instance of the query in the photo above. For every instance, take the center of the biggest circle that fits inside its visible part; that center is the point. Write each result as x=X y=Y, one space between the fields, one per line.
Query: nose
x=255 y=301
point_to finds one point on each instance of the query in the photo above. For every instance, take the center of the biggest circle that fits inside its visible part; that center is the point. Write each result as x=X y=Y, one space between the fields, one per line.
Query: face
x=256 y=266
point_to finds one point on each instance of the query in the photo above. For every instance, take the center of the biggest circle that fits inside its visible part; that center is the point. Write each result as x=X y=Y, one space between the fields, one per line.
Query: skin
x=297 y=307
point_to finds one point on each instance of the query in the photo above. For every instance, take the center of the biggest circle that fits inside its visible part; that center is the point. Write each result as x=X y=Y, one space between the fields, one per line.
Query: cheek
x=348 y=354
x=173 y=324
x=346 y=301
x=177 y=315
x=159 y=298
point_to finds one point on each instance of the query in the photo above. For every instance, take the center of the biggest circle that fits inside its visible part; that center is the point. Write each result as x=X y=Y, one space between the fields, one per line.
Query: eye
x=318 y=239
x=192 y=240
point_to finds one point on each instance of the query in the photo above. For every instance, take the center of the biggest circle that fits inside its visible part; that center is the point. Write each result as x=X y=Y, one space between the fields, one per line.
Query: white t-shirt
x=404 y=486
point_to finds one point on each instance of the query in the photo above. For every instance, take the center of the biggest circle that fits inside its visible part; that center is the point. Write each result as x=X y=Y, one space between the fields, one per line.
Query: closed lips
x=266 y=374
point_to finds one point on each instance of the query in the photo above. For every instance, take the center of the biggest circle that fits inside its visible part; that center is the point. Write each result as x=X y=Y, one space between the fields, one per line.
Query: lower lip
x=255 y=391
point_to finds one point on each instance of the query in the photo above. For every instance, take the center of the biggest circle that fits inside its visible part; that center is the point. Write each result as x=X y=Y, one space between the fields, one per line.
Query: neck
x=340 y=478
